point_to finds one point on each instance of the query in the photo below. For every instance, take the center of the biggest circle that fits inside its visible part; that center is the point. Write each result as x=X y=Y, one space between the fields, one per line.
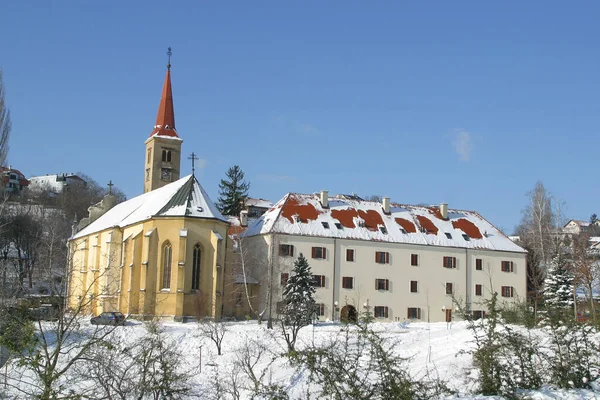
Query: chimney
x=444 y=210
x=324 y=199
x=385 y=204
x=244 y=218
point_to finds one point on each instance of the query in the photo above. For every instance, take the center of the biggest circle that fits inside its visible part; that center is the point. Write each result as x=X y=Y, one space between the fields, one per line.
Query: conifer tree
x=558 y=285
x=233 y=192
x=298 y=301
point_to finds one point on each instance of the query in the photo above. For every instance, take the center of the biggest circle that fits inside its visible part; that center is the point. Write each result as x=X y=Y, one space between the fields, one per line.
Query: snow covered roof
x=182 y=198
x=261 y=203
x=578 y=222
x=354 y=218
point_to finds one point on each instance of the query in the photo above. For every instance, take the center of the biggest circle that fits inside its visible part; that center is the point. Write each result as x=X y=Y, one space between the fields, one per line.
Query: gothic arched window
x=196 y=267
x=167 y=256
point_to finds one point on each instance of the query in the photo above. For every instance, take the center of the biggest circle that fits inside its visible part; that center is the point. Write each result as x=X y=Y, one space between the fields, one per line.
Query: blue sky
x=468 y=103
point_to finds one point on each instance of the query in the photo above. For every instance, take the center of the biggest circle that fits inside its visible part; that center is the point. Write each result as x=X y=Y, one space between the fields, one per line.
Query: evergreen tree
x=298 y=301
x=558 y=285
x=233 y=192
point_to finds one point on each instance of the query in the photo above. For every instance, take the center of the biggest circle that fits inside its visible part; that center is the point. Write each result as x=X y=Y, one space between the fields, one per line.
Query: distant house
x=55 y=183
x=12 y=181
x=257 y=207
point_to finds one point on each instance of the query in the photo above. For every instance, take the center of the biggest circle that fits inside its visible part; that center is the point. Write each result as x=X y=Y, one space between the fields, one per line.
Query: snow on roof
x=354 y=218
x=262 y=203
x=578 y=222
x=182 y=198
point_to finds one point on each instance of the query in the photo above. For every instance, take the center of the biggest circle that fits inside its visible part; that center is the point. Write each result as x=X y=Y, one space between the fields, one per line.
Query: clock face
x=165 y=174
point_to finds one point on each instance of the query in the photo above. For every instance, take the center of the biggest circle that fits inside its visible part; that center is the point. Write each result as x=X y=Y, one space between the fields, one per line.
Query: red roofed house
x=402 y=262
x=12 y=181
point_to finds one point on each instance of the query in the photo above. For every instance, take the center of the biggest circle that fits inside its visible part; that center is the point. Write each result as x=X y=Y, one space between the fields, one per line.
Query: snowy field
x=434 y=347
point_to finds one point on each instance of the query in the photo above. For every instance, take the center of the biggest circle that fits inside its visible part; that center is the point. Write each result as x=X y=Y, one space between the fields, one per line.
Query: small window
x=319 y=280
x=380 y=311
x=413 y=313
x=348 y=282
x=449 y=288
x=383 y=230
x=507 y=291
x=338 y=225
x=507 y=266
x=382 y=284
x=478 y=290
x=284 y=278
x=466 y=237
x=382 y=257
x=478 y=314
x=449 y=262
x=414 y=260
x=414 y=286
x=403 y=231
x=319 y=252
x=325 y=224
x=479 y=264
x=320 y=309
x=349 y=254
x=448 y=235
x=286 y=250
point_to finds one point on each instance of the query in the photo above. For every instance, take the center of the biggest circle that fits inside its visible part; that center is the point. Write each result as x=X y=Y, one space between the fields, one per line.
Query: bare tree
x=214 y=331
x=5 y=124
x=586 y=271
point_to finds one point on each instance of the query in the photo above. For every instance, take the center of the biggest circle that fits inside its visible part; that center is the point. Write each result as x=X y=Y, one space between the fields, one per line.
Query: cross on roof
x=169 y=53
x=193 y=157
x=110 y=185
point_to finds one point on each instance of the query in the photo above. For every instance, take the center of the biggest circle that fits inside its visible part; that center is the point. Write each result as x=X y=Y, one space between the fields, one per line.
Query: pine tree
x=233 y=192
x=558 y=285
x=298 y=301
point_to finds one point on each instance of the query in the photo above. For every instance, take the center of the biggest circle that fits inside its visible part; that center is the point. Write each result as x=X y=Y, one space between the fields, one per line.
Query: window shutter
x=387 y=284
x=453 y=262
x=385 y=309
x=387 y=257
x=418 y=313
x=512 y=266
x=376 y=256
x=314 y=252
x=376 y=284
x=322 y=280
x=292 y=250
x=324 y=253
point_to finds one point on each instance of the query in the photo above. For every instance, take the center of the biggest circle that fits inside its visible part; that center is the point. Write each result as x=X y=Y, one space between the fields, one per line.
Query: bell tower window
x=166 y=156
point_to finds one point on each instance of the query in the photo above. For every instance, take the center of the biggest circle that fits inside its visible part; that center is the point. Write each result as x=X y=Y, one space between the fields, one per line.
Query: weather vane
x=193 y=157
x=169 y=53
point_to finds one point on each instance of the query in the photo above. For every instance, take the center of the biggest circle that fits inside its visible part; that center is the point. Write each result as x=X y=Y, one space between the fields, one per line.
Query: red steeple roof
x=165 y=120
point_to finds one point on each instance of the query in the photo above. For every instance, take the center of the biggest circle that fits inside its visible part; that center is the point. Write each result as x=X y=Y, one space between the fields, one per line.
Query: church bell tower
x=163 y=147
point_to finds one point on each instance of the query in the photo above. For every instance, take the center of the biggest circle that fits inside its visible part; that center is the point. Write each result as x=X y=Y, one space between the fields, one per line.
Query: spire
x=165 y=119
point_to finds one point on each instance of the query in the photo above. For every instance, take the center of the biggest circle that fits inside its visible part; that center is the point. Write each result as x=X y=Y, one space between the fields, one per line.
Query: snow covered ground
x=433 y=347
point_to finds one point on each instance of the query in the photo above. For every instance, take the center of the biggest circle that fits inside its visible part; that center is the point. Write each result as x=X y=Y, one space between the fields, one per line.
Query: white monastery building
x=399 y=261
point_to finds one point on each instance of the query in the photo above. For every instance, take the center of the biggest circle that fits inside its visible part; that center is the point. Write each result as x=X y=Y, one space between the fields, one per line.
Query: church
x=162 y=253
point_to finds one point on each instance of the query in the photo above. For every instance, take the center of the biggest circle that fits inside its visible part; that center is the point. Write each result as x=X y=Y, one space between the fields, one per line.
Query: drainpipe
x=334 y=281
x=467 y=287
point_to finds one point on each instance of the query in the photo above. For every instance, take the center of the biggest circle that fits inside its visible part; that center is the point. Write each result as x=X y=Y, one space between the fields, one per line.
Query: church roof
x=182 y=198
x=165 y=118
x=354 y=218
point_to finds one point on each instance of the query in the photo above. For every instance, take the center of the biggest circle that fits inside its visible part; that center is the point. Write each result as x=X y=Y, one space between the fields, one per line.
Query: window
x=167 y=255
x=348 y=282
x=466 y=237
x=284 y=278
x=320 y=309
x=325 y=224
x=349 y=254
x=319 y=280
x=319 y=252
x=478 y=290
x=238 y=300
x=507 y=266
x=403 y=231
x=147 y=174
x=449 y=288
x=380 y=311
x=149 y=154
x=338 y=225
x=413 y=313
x=414 y=286
x=383 y=230
x=449 y=262
x=479 y=264
x=414 y=259
x=286 y=250
x=382 y=284
x=478 y=314
x=196 y=267
x=448 y=235
x=382 y=257
x=507 y=291
x=166 y=155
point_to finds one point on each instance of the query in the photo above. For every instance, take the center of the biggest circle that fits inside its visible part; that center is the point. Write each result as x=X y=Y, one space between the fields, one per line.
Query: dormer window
x=383 y=230
x=325 y=224
x=339 y=226
x=466 y=237
x=167 y=127
x=448 y=235
x=403 y=231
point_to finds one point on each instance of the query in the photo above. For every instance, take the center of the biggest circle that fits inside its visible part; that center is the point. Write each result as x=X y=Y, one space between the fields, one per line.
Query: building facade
x=400 y=262
x=162 y=253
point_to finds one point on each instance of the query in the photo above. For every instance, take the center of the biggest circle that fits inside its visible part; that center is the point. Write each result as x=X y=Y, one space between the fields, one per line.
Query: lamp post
x=335 y=309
